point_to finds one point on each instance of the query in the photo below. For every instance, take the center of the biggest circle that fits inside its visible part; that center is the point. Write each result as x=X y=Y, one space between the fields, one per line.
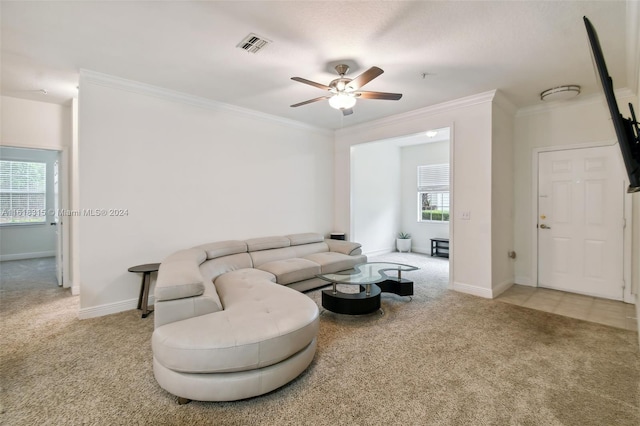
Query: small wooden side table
x=146 y=271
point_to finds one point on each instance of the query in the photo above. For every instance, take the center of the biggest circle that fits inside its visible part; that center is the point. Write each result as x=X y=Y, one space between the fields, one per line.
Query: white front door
x=581 y=221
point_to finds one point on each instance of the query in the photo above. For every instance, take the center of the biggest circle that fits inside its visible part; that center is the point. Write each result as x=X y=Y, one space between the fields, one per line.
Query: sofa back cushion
x=213 y=268
x=307 y=249
x=306 y=238
x=264 y=256
x=267 y=243
x=223 y=248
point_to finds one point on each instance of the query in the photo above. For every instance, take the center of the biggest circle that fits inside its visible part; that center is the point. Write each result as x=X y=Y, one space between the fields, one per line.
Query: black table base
x=401 y=287
x=362 y=303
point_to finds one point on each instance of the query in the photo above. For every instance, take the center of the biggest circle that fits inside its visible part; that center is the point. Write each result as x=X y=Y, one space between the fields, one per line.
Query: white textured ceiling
x=464 y=48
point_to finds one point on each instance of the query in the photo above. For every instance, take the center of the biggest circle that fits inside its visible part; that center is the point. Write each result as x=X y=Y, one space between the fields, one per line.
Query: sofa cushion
x=174 y=310
x=289 y=271
x=213 y=268
x=267 y=243
x=263 y=256
x=331 y=262
x=223 y=248
x=242 y=275
x=263 y=323
x=178 y=279
x=303 y=250
x=346 y=247
x=306 y=238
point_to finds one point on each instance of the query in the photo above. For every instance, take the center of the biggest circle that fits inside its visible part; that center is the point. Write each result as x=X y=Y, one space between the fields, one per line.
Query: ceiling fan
x=345 y=91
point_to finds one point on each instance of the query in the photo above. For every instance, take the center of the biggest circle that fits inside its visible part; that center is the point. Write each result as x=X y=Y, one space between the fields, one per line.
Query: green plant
x=404 y=236
x=435 y=215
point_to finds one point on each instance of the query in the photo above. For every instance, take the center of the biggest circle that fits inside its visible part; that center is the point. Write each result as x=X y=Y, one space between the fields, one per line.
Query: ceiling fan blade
x=311 y=83
x=310 y=101
x=379 y=95
x=347 y=111
x=364 y=78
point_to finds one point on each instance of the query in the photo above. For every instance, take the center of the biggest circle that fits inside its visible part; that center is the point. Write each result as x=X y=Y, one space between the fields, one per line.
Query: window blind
x=433 y=178
x=22 y=191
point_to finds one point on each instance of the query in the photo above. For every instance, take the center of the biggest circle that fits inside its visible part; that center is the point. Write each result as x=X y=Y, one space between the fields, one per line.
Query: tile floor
x=603 y=311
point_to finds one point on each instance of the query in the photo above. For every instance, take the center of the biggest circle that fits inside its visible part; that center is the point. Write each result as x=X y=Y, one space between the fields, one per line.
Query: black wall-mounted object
x=627 y=129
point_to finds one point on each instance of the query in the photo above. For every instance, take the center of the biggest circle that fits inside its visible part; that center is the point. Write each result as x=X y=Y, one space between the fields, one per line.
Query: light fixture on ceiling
x=342 y=100
x=560 y=93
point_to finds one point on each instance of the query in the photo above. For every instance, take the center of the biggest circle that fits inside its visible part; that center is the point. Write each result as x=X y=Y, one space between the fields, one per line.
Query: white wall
x=376 y=196
x=188 y=171
x=470 y=120
x=502 y=266
x=562 y=124
x=31 y=124
x=412 y=157
x=35 y=240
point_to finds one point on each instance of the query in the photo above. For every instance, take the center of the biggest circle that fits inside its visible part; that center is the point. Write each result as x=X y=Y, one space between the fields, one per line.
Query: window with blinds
x=433 y=193
x=23 y=192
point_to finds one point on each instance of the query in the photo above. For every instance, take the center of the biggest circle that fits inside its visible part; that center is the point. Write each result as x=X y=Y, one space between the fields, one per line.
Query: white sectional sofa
x=229 y=323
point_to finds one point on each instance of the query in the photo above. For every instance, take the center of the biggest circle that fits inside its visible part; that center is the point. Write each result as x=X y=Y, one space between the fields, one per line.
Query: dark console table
x=440 y=247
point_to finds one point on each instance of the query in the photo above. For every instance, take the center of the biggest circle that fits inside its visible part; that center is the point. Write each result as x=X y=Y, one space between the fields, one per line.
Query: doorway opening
x=31 y=195
x=387 y=197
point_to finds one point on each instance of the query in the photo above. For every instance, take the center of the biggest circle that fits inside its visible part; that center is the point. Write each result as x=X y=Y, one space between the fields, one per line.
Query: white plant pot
x=403 y=244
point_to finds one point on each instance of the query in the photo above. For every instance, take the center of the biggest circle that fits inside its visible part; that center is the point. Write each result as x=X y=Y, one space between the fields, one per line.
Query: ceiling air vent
x=253 y=43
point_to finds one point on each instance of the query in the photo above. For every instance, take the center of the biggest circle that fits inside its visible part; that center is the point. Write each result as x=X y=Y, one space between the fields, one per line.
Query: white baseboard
x=487 y=293
x=472 y=289
x=110 y=308
x=22 y=256
x=378 y=252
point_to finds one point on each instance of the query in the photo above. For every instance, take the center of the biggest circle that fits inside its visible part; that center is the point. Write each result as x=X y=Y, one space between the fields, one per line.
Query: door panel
x=57 y=222
x=580 y=212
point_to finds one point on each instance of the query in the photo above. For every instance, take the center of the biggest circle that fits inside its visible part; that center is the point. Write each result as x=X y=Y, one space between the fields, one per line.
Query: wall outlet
x=465 y=215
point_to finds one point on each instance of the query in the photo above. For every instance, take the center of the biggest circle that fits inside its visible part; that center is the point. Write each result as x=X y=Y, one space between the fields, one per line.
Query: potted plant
x=403 y=242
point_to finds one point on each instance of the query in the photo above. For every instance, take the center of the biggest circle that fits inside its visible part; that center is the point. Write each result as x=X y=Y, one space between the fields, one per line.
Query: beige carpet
x=441 y=358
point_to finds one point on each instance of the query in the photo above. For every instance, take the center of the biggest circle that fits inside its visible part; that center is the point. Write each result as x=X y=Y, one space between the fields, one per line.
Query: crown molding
x=468 y=101
x=502 y=101
x=595 y=98
x=106 y=80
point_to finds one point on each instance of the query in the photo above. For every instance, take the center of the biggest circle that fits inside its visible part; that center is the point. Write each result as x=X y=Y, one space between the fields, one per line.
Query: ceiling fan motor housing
x=342 y=69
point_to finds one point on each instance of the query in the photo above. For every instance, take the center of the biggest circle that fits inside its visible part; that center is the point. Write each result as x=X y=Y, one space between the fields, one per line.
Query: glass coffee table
x=372 y=279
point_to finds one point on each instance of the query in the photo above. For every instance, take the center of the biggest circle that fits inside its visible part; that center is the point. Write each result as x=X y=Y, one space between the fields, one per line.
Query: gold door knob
x=543 y=226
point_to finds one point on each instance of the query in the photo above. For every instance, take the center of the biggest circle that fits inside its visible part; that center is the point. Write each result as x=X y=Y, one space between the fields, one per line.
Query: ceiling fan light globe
x=342 y=101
